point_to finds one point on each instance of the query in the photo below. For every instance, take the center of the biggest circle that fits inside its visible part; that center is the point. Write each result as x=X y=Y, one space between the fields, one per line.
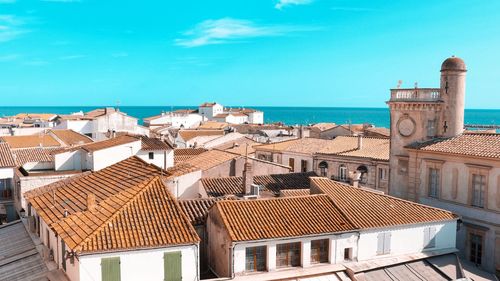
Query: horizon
x=301 y=53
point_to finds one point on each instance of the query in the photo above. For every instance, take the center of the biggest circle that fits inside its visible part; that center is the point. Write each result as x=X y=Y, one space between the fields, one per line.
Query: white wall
x=186 y=186
x=109 y=156
x=406 y=240
x=6 y=173
x=141 y=264
x=256 y=117
x=70 y=160
x=158 y=158
x=79 y=126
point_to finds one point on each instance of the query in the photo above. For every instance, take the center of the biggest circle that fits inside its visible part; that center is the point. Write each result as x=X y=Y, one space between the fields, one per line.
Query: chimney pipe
x=247 y=178
x=360 y=141
x=91 y=205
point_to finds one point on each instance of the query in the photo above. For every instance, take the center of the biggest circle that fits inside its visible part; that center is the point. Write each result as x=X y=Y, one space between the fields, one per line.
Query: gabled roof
x=294 y=192
x=250 y=220
x=6 y=158
x=222 y=186
x=145 y=215
x=213 y=125
x=368 y=209
x=39 y=140
x=241 y=146
x=210 y=159
x=70 y=137
x=197 y=209
x=41 y=116
x=183 y=154
x=154 y=144
x=187 y=135
x=480 y=145
x=51 y=200
x=208 y=104
x=377 y=132
x=323 y=126
x=99 y=145
x=32 y=155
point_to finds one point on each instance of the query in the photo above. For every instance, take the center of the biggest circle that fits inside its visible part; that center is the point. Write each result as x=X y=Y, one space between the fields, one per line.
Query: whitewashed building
x=184 y=118
x=7 y=166
x=210 y=109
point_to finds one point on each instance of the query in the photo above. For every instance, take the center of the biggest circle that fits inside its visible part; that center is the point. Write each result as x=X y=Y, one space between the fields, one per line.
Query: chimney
x=247 y=178
x=355 y=179
x=360 y=141
x=91 y=202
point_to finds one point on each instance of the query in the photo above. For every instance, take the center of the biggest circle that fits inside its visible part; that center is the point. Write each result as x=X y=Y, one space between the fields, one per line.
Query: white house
x=231 y=118
x=114 y=235
x=7 y=165
x=210 y=109
x=184 y=118
x=336 y=228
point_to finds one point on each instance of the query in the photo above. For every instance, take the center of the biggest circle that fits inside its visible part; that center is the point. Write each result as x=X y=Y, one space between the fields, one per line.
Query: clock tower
x=421 y=114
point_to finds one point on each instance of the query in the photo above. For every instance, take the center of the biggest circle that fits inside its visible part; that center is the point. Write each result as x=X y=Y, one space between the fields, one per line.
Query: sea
x=287 y=115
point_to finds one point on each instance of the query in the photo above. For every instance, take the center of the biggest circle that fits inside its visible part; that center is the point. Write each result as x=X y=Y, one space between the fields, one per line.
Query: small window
x=288 y=255
x=303 y=166
x=431 y=128
x=347 y=254
x=291 y=163
x=342 y=172
x=255 y=258
x=384 y=243
x=478 y=187
x=323 y=169
x=382 y=173
x=319 y=251
x=151 y=155
x=476 y=248
x=429 y=237
x=433 y=182
x=363 y=170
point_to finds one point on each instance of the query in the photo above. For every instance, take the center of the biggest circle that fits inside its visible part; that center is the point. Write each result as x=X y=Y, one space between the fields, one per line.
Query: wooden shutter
x=172 y=264
x=110 y=269
x=380 y=243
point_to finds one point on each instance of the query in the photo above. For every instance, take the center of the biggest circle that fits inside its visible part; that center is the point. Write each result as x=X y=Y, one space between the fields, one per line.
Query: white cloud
x=227 y=30
x=11 y=27
x=72 y=57
x=283 y=3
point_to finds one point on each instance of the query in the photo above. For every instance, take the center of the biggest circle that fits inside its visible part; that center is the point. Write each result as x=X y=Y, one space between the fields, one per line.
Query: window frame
x=323 y=168
x=151 y=155
x=290 y=255
x=255 y=256
x=343 y=172
x=320 y=251
x=433 y=182
x=429 y=237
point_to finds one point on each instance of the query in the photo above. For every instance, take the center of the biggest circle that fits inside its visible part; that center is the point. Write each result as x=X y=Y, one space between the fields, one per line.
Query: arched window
x=364 y=174
x=323 y=169
x=343 y=172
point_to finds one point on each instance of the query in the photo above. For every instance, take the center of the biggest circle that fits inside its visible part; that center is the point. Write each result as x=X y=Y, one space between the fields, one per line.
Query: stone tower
x=421 y=114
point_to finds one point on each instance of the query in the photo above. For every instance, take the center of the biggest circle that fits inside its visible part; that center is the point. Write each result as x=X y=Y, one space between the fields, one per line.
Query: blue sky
x=259 y=52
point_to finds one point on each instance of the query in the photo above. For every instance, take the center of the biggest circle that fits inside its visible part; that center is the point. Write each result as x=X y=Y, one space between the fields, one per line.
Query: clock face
x=406 y=126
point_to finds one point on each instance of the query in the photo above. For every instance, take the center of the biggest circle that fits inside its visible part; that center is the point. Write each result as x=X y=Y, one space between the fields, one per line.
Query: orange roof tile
x=216 y=187
x=212 y=125
x=241 y=146
x=190 y=134
x=70 y=137
x=32 y=155
x=480 y=145
x=197 y=209
x=41 y=116
x=39 y=140
x=294 y=192
x=210 y=159
x=145 y=215
x=368 y=209
x=6 y=158
x=183 y=154
x=154 y=144
x=51 y=200
x=247 y=220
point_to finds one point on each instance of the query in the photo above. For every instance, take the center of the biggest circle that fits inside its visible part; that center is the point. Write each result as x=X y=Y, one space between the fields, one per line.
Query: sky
x=332 y=53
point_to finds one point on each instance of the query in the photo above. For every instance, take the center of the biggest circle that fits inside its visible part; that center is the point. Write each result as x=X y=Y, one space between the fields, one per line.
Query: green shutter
x=173 y=266
x=110 y=269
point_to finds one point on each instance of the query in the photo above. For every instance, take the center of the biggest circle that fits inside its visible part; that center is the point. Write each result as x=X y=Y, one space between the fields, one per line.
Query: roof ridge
x=382 y=195
x=144 y=186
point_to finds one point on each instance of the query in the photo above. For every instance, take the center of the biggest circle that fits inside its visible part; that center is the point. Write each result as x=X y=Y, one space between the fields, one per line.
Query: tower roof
x=453 y=63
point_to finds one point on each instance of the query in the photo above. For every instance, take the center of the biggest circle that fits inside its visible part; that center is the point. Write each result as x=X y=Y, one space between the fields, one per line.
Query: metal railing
x=416 y=94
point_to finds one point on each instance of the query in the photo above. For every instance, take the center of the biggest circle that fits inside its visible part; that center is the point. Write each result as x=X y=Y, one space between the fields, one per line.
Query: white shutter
x=426 y=237
x=380 y=243
x=387 y=243
x=432 y=237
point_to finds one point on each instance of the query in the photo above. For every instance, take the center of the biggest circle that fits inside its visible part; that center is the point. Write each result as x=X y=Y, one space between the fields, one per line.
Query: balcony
x=416 y=95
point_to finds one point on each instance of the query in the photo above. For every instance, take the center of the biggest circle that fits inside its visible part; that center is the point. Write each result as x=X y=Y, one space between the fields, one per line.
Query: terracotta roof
x=210 y=159
x=208 y=104
x=222 y=115
x=377 y=132
x=374 y=148
x=39 y=140
x=323 y=126
x=187 y=135
x=247 y=220
x=185 y=111
x=145 y=215
x=6 y=158
x=213 y=125
x=51 y=200
x=31 y=155
x=239 y=146
x=197 y=209
x=108 y=143
x=294 y=192
x=153 y=117
x=41 y=116
x=70 y=137
x=154 y=144
x=181 y=169
x=368 y=209
x=183 y=154
x=99 y=112
x=216 y=187
x=480 y=145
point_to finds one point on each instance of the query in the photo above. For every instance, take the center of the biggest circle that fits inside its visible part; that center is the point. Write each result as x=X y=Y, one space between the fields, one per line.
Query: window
x=433 y=182
x=475 y=248
x=347 y=254
x=382 y=173
x=288 y=255
x=342 y=172
x=172 y=266
x=431 y=128
x=291 y=163
x=255 y=258
x=364 y=174
x=151 y=155
x=429 y=237
x=323 y=169
x=319 y=251
x=478 y=187
x=303 y=166
x=384 y=243
x=110 y=269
